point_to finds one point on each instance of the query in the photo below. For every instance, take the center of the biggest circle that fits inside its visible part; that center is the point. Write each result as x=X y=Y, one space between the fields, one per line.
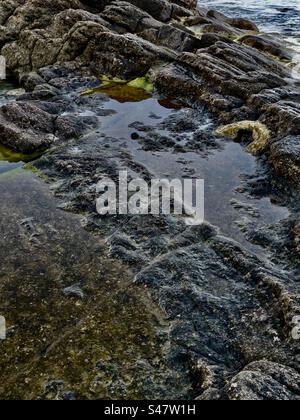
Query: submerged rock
x=228 y=312
x=225 y=306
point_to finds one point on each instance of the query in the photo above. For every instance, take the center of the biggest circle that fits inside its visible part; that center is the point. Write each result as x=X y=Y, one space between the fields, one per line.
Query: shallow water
x=222 y=170
x=108 y=343
x=4 y=88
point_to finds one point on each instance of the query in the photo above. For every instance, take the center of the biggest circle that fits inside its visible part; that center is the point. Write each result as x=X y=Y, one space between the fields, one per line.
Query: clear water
x=51 y=257
x=222 y=169
x=44 y=250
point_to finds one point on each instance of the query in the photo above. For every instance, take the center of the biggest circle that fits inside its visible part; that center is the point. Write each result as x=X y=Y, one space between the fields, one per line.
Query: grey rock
x=74 y=291
x=265 y=381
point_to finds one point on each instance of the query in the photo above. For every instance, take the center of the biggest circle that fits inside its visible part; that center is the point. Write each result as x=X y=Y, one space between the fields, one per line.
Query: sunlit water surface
x=278 y=17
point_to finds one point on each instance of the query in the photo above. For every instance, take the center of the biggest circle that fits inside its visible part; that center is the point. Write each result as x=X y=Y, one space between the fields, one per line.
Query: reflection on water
x=124 y=91
x=105 y=344
x=108 y=343
x=4 y=88
x=222 y=170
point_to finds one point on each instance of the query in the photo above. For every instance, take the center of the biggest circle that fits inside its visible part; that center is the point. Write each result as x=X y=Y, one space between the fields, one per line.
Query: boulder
x=285 y=157
x=265 y=381
x=266 y=45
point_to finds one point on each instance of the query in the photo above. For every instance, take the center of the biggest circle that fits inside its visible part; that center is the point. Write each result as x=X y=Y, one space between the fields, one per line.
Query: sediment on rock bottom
x=240 y=347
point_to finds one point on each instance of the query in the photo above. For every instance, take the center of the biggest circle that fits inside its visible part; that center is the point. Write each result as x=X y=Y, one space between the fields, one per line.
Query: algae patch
x=31 y=168
x=11 y=156
x=261 y=134
x=136 y=90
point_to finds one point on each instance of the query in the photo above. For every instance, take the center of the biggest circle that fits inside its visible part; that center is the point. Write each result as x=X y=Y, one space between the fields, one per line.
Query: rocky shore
x=188 y=52
x=230 y=312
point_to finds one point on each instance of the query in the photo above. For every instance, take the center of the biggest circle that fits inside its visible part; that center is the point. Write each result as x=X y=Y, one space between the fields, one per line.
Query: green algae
x=11 y=163
x=135 y=90
x=9 y=155
x=30 y=167
x=141 y=83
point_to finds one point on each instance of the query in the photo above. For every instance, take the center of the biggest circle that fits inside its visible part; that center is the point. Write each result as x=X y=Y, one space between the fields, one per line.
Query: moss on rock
x=261 y=134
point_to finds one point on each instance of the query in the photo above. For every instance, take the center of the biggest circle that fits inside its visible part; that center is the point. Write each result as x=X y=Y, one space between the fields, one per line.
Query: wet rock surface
x=261 y=381
x=224 y=301
x=200 y=55
x=225 y=306
x=78 y=328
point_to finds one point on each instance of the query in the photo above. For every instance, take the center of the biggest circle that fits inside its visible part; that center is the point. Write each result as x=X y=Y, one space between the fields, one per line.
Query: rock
x=222 y=306
x=74 y=291
x=27 y=143
x=209 y=39
x=27 y=115
x=160 y=10
x=285 y=157
x=191 y=48
x=244 y=24
x=188 y=4
x=37 y=119
x=96 y=5
x=129 y=17
x=72 y=126
x=15 y=92
x=238 y=23
x=225 y=306
x=78 y=38
x=266 y=45
x=31 y=80
x=214 y=14
x=54 y=385
x=123 y=56
x=67 y=396
x=282 y=117
x=265 y=381
x=222 y=29
x=25 y=127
